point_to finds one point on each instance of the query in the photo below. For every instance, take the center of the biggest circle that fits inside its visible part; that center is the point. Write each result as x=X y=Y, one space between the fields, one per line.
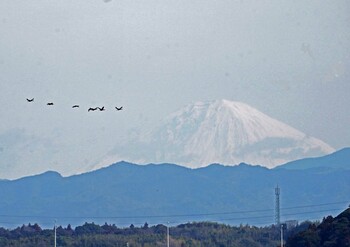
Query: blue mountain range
x=126 y=193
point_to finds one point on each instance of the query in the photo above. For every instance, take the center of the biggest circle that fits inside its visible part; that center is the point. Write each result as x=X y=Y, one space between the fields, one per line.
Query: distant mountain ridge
x=126 y=193
x=337 y=160
x=220 y=131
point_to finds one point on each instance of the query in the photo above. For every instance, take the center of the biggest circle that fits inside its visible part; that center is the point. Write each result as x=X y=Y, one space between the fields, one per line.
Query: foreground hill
x=332 y=232
x=125 y=193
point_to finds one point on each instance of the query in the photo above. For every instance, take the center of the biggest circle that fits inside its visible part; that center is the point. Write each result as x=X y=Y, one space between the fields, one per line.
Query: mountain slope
x=336 y=160
x=331 y=232
x=125 y=193
x=220 y=131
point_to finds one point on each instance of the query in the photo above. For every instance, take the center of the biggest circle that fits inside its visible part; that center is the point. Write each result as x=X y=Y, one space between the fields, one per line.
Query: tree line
x=331 y=232
x=189 y=234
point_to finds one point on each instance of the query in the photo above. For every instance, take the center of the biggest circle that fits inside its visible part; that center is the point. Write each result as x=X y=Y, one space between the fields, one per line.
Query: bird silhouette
x=30 y=100
x=75 y=106
x=119 y=108
x=92 y=109
x=50 y=103
x=101 y=109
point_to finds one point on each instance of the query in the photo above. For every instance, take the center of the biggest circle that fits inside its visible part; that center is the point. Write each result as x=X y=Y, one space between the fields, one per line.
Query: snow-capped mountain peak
x=221 y=131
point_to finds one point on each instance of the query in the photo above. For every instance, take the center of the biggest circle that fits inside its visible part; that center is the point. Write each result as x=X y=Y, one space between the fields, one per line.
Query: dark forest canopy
x=331 y=232
x=190 y=234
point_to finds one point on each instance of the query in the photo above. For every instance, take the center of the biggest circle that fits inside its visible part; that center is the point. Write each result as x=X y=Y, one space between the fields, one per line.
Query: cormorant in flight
x=101 y=109
x=119 y=108
x=75 y=106
x=50 y=103
x=92 y=109
x=30 y=100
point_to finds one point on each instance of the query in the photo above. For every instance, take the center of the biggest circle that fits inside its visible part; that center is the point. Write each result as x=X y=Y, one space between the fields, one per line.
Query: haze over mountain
x=219 y=131
x=289 y=59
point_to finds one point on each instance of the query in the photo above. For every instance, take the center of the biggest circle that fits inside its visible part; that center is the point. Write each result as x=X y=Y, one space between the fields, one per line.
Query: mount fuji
x=219 y=131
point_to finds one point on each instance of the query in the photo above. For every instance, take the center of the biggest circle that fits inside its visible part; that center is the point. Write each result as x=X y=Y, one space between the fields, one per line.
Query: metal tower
x=277 y=206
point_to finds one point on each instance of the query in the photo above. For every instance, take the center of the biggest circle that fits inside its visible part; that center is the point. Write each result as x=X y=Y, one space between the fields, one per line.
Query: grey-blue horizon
x=287 y=59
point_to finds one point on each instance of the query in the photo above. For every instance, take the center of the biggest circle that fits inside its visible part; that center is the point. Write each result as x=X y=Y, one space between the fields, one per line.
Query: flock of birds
x=77 y=106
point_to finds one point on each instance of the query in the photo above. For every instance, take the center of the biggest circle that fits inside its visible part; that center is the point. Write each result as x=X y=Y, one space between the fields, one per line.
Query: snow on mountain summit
x=223 y=132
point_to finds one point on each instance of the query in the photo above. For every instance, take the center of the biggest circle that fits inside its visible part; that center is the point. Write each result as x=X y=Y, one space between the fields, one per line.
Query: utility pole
x=167 y=234
x=282 y=235
x=55 y=234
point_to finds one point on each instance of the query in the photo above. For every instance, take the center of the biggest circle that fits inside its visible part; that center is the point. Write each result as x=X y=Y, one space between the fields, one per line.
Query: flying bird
x=75 y=106
x=30 y=100
x=101 y=109
x=50 y=103
x=92 y=109
x=119 y=108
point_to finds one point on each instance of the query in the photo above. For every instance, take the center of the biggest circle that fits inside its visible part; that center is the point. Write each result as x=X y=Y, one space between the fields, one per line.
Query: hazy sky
x=288 y=59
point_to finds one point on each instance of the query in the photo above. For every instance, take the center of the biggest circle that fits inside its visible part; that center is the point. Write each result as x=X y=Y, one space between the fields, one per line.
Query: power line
x=244 y=218
x=269 y=216
x=315 y=205
x=181 y=215
x=310 y=212
x=171 y=215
